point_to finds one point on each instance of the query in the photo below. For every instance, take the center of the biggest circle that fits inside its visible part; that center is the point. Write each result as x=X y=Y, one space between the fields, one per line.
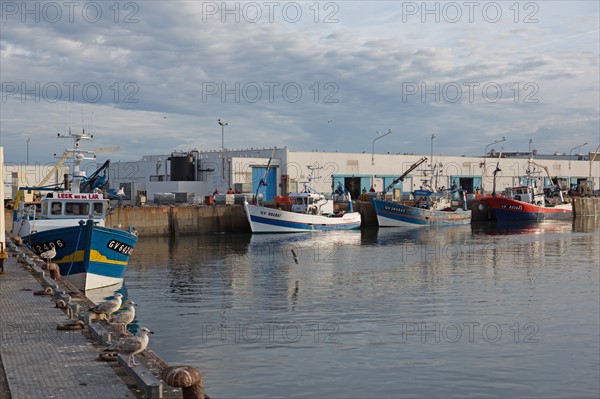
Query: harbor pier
x=40 y=361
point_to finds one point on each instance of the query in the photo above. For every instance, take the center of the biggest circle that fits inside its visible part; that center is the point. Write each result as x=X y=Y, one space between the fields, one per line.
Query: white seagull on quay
x=48 y=255
x=108 y=307
x=125 y=317
x=132 y=345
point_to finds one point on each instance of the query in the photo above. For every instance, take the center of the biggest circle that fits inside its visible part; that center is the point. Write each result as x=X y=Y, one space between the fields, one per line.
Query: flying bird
x=295 y=256
x=132 y=345
x=125 y=317
x=108 y=307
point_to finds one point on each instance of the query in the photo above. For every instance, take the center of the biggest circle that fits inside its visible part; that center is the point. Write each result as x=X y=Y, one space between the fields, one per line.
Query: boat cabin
x=70 y=205
x=446 y=201
x=311 y=203
x=422 y=198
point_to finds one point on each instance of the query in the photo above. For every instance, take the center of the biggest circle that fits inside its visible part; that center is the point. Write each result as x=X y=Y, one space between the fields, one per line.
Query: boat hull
x=507 y=210
x=267 y=220
x=89 y=256
x=391 y=214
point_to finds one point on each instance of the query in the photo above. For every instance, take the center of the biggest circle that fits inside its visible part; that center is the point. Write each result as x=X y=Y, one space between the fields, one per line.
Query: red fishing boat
x=523 y=204
x=529 y=202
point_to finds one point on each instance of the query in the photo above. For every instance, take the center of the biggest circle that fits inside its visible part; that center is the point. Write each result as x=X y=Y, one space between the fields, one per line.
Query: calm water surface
x=482 y=311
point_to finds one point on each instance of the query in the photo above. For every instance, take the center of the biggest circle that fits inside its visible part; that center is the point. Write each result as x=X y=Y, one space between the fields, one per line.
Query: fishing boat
x=528 y=203
x=426 y=208
x=70 y=225
x=310 y=211
x=531 y=201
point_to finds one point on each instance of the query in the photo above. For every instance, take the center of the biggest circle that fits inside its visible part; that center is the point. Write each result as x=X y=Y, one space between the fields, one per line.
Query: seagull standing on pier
x=48 y=255
x=132 y=345
x=125 y=317
x=108 y=307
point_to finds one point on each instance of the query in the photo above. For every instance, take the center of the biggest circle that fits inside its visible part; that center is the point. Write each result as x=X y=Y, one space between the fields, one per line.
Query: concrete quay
x=153 y=221
x=39 y=361
x=207 y=219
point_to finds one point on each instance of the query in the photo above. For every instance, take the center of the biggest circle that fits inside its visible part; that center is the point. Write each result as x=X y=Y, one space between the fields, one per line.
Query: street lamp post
x=431 y=159
x=223 y=124
x=483 y=164
x=379 y=136
x=28 y=140
x=574 y=148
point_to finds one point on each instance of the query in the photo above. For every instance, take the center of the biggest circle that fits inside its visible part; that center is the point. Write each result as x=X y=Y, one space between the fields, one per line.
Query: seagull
x=132 y=345
x=109 y=306
x=295 y=256
x=125 y=317
x=48 y=255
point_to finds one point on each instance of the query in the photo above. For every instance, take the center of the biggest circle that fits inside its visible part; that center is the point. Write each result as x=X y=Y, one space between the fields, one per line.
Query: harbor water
x=476 y=311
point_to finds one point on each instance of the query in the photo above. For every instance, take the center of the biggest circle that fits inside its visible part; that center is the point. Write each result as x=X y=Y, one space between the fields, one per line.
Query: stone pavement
x=40 y=361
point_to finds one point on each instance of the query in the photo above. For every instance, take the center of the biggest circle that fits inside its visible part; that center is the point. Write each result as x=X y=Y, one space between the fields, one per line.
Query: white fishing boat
x=310 y=211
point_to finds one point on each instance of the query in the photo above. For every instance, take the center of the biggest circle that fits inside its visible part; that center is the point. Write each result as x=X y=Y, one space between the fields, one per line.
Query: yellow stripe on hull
x=95 y=256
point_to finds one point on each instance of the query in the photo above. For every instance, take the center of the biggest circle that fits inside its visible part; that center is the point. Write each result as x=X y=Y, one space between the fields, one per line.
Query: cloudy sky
x=154 y=76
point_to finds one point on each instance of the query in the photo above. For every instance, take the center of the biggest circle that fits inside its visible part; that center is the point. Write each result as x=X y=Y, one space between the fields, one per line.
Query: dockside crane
x=403 y=175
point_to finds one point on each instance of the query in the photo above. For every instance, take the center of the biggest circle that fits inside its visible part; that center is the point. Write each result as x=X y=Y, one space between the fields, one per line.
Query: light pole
x=28 y=140
x=379 y=136
x=223 y=124
x=484 y=166
x=574 y=148
x=431 y=159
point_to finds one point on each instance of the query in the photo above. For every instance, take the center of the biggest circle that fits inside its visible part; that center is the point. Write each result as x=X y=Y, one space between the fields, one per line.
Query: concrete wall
x=181 y=220
x=589 y=206
x=149 y=221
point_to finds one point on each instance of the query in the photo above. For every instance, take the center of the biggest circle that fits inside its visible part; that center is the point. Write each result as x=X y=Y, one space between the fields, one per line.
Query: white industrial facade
x=199 y=173
x=21 y=175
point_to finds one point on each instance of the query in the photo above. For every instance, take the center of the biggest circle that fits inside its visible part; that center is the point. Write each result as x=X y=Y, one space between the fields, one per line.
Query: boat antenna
x=262 y=181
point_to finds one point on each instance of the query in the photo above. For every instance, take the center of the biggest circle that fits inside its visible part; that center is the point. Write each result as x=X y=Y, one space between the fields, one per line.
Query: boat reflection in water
x=546 y=227
x=316 y=247
x=98 y=295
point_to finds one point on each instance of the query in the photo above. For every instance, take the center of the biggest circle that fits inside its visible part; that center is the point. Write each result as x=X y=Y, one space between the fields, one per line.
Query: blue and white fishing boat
x=310 y=211
x=71 y=225
x=427 y=208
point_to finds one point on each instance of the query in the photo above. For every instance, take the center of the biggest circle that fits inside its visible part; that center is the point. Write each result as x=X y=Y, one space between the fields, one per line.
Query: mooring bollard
x=188 y=378
x=3 y=256
x=54 y=271
x=73 y=310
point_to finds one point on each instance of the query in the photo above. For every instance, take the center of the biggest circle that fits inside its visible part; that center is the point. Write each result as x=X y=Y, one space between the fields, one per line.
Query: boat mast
x=308 y=185
x=78 y=156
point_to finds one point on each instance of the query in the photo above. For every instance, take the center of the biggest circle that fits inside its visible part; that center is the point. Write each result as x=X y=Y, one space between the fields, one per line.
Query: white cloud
x=165 y=79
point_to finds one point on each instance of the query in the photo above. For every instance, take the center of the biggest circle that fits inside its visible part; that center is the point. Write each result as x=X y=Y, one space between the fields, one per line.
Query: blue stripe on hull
x=304 y=226
x=512 y=216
